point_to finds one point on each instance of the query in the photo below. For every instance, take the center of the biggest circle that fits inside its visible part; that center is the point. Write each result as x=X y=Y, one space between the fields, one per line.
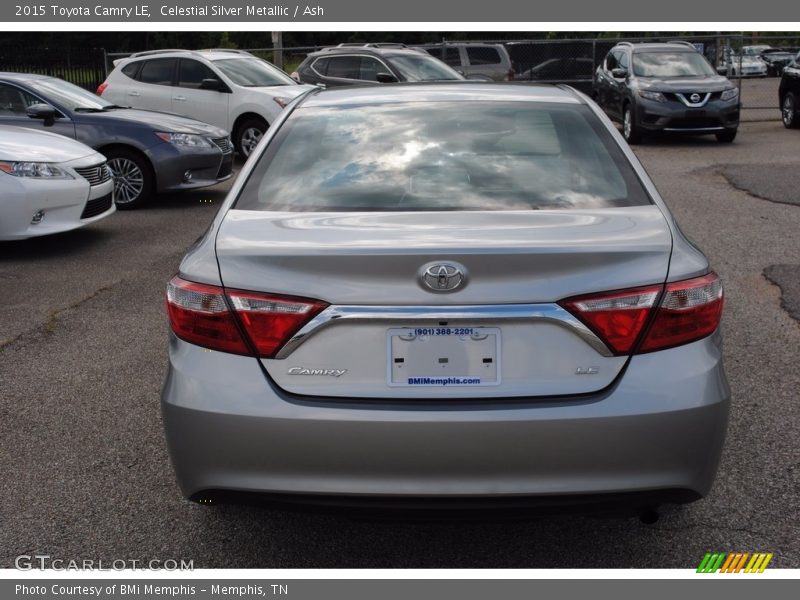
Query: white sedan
x=49 y=184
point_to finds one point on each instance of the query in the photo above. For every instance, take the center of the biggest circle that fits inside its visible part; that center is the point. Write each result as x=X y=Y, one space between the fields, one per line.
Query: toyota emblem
x=442 y=276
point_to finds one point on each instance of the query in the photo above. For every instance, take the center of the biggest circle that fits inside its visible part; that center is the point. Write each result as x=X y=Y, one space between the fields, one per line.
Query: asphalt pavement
x=83 y=354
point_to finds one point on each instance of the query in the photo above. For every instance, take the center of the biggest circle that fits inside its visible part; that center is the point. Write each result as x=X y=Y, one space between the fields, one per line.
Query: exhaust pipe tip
x=649 y=516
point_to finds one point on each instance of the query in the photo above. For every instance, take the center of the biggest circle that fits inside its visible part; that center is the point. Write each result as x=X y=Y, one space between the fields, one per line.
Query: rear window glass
x=428 y=156
x=131 y=69
x=450 y=56
x=159 y=71
x=483 y=56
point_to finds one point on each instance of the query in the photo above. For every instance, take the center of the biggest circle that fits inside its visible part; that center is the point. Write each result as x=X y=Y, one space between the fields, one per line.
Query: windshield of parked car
x=754 y=50
x=423 y=68
x=253 y=72
x=437 y=156
x=671 y=64
x=69 y=95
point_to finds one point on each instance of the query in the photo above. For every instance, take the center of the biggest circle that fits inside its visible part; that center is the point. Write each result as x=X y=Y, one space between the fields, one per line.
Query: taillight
x=270 y=321
x=101 y=88
x=688 y=311
x=258 y=324
x=617 y=318
x=280 y=101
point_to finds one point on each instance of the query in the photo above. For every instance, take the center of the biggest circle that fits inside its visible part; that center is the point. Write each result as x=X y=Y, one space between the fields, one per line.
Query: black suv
x=789 y=94
x=665 y=87
x=360 y=64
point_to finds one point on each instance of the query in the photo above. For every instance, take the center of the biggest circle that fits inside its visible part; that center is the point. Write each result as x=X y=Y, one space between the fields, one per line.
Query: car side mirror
x=213 y=84
x=385 y=78
x=42 y=111
x=619 y=73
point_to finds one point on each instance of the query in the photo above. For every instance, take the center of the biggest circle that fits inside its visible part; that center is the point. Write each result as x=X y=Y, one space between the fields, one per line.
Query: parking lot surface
x=86 y=473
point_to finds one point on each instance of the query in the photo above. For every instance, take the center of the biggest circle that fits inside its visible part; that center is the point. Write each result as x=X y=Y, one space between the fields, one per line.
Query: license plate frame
x=453 y=356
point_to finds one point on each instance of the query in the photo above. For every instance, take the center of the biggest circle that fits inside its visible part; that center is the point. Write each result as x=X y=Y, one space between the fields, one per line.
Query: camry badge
x=442 y=276
x=317 y=372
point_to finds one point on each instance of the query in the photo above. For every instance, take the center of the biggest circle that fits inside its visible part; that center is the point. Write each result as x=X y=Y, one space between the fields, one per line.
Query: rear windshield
x=431 y=156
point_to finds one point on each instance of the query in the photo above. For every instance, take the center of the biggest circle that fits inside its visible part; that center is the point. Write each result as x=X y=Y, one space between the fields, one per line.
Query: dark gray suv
x=665 y=87
x=364 y=64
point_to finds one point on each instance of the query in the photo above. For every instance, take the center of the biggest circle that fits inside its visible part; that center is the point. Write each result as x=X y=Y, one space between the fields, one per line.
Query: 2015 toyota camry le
x=445 y=294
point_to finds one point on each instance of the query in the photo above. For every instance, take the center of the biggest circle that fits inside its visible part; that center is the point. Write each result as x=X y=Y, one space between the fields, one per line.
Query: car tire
x=789 y=111
x=248 y=134
x=727 y=136
x=630 y=130
x=134 y=180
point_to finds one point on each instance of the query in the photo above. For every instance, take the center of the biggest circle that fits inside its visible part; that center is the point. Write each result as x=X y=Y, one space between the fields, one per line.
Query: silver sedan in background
x=440 y=294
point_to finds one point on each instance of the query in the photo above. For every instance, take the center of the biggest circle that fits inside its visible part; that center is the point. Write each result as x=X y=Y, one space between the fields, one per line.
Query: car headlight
x=35 y=170
x=730 y=94
x=185 y=139
x=655 y=96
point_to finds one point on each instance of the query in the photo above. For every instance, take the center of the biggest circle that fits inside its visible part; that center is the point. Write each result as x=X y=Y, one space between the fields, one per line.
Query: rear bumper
x=659 y=429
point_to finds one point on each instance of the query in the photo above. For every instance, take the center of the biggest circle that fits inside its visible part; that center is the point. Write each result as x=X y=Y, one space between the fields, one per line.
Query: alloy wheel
x=788 y=111
x=627 y=124
x=250 y=138
x=128 y=180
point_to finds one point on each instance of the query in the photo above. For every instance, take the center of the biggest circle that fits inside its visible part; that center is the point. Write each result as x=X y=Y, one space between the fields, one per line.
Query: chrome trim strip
x=392 y=315
x=691 y=104
x=691 y=129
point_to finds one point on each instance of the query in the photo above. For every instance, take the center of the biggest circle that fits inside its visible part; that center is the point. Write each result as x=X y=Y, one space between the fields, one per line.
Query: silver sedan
x=442 y=294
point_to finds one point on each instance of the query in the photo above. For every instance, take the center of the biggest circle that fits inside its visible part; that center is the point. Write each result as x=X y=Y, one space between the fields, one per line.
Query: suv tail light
x=101 y=88
x=687 y=311
x=236 y=321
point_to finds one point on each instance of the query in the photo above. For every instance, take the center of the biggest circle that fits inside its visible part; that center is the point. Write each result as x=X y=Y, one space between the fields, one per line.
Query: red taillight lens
x=270 y=321
x=101 y=88
x=690 y=310
x=616 y=317
x=200 y=314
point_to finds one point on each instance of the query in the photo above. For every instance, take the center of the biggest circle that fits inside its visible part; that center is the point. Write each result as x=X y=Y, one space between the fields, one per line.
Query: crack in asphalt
x=49 y=325
x=752 y=181
x=787 y=278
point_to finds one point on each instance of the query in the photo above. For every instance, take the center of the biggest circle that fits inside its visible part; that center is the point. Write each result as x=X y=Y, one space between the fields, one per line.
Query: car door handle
x=134 y=94
x=179 y=98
